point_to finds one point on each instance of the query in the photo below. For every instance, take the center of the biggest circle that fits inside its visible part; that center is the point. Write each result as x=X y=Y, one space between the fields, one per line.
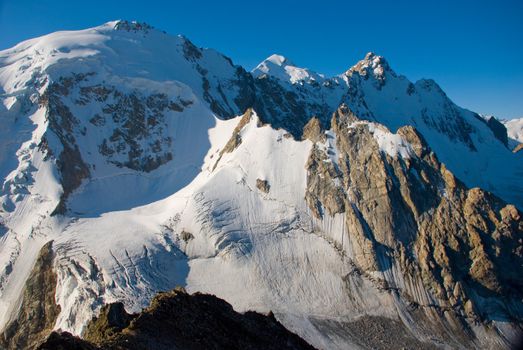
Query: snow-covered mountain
x=281 y=68
x=133 y=161
x=514 y=131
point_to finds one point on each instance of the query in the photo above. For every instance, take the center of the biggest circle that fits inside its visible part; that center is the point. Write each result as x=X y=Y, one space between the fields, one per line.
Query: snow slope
x=260 y=251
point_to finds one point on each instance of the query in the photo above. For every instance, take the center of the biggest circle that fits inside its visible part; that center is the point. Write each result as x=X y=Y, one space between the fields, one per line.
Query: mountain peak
x=129 y=26
x=273 y=62
x=371 y=55
x=374 y=64
x=282 y=68
x=279 y=60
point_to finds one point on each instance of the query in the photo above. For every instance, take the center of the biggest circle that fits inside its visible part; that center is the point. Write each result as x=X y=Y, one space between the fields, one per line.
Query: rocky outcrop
x=177 y=320
x=324 y=189
x=132 y=26
x=409 y=212
x=263 y=185
x=236 y=138
x=130 y=128
x=111 y=320
x=63 y=124
x=313 y=131
x=291 y=106
x=498 y=128
x=372 y=65
x=65 y=341
x=137 y=141
x=38 y=310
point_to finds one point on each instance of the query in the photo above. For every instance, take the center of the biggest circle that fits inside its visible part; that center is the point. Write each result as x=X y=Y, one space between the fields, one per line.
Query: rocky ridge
x=177 y=320
x=38 y=310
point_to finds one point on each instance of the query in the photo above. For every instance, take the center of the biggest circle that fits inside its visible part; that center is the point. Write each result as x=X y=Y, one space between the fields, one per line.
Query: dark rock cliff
x=38 y=310
x=177 y=320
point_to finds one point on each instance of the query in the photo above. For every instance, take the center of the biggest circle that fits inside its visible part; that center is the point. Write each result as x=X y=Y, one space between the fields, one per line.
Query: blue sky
x=473 y=49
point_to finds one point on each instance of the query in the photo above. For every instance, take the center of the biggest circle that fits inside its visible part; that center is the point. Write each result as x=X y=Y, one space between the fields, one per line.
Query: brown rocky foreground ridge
x=178 y=320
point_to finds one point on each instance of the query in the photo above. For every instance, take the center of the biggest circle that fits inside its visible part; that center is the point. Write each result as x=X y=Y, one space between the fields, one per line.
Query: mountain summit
x=281 y=68
x=355 y=208
x=372 y=64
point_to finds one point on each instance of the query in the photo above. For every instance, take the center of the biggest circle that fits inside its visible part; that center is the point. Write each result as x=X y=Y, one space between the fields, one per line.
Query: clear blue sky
x=473 y=49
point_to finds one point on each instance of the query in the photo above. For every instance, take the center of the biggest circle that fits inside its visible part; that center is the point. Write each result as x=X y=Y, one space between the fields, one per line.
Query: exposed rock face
x=129 y=127
x=499 y=130
x=38 y=310
x=139 y=120
x=410 y=213
x=111 y=320
x=63 y=124
x=186 y=236
x=65 y=341
x=177 y=320
x=236 y=138
x=132 y=26
x=323 y=174
x=263 y=185
x=372 y=66
x=219 y=103
x=323 y=185
x=291 y=106
x=313 y=130
x=135 y=123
